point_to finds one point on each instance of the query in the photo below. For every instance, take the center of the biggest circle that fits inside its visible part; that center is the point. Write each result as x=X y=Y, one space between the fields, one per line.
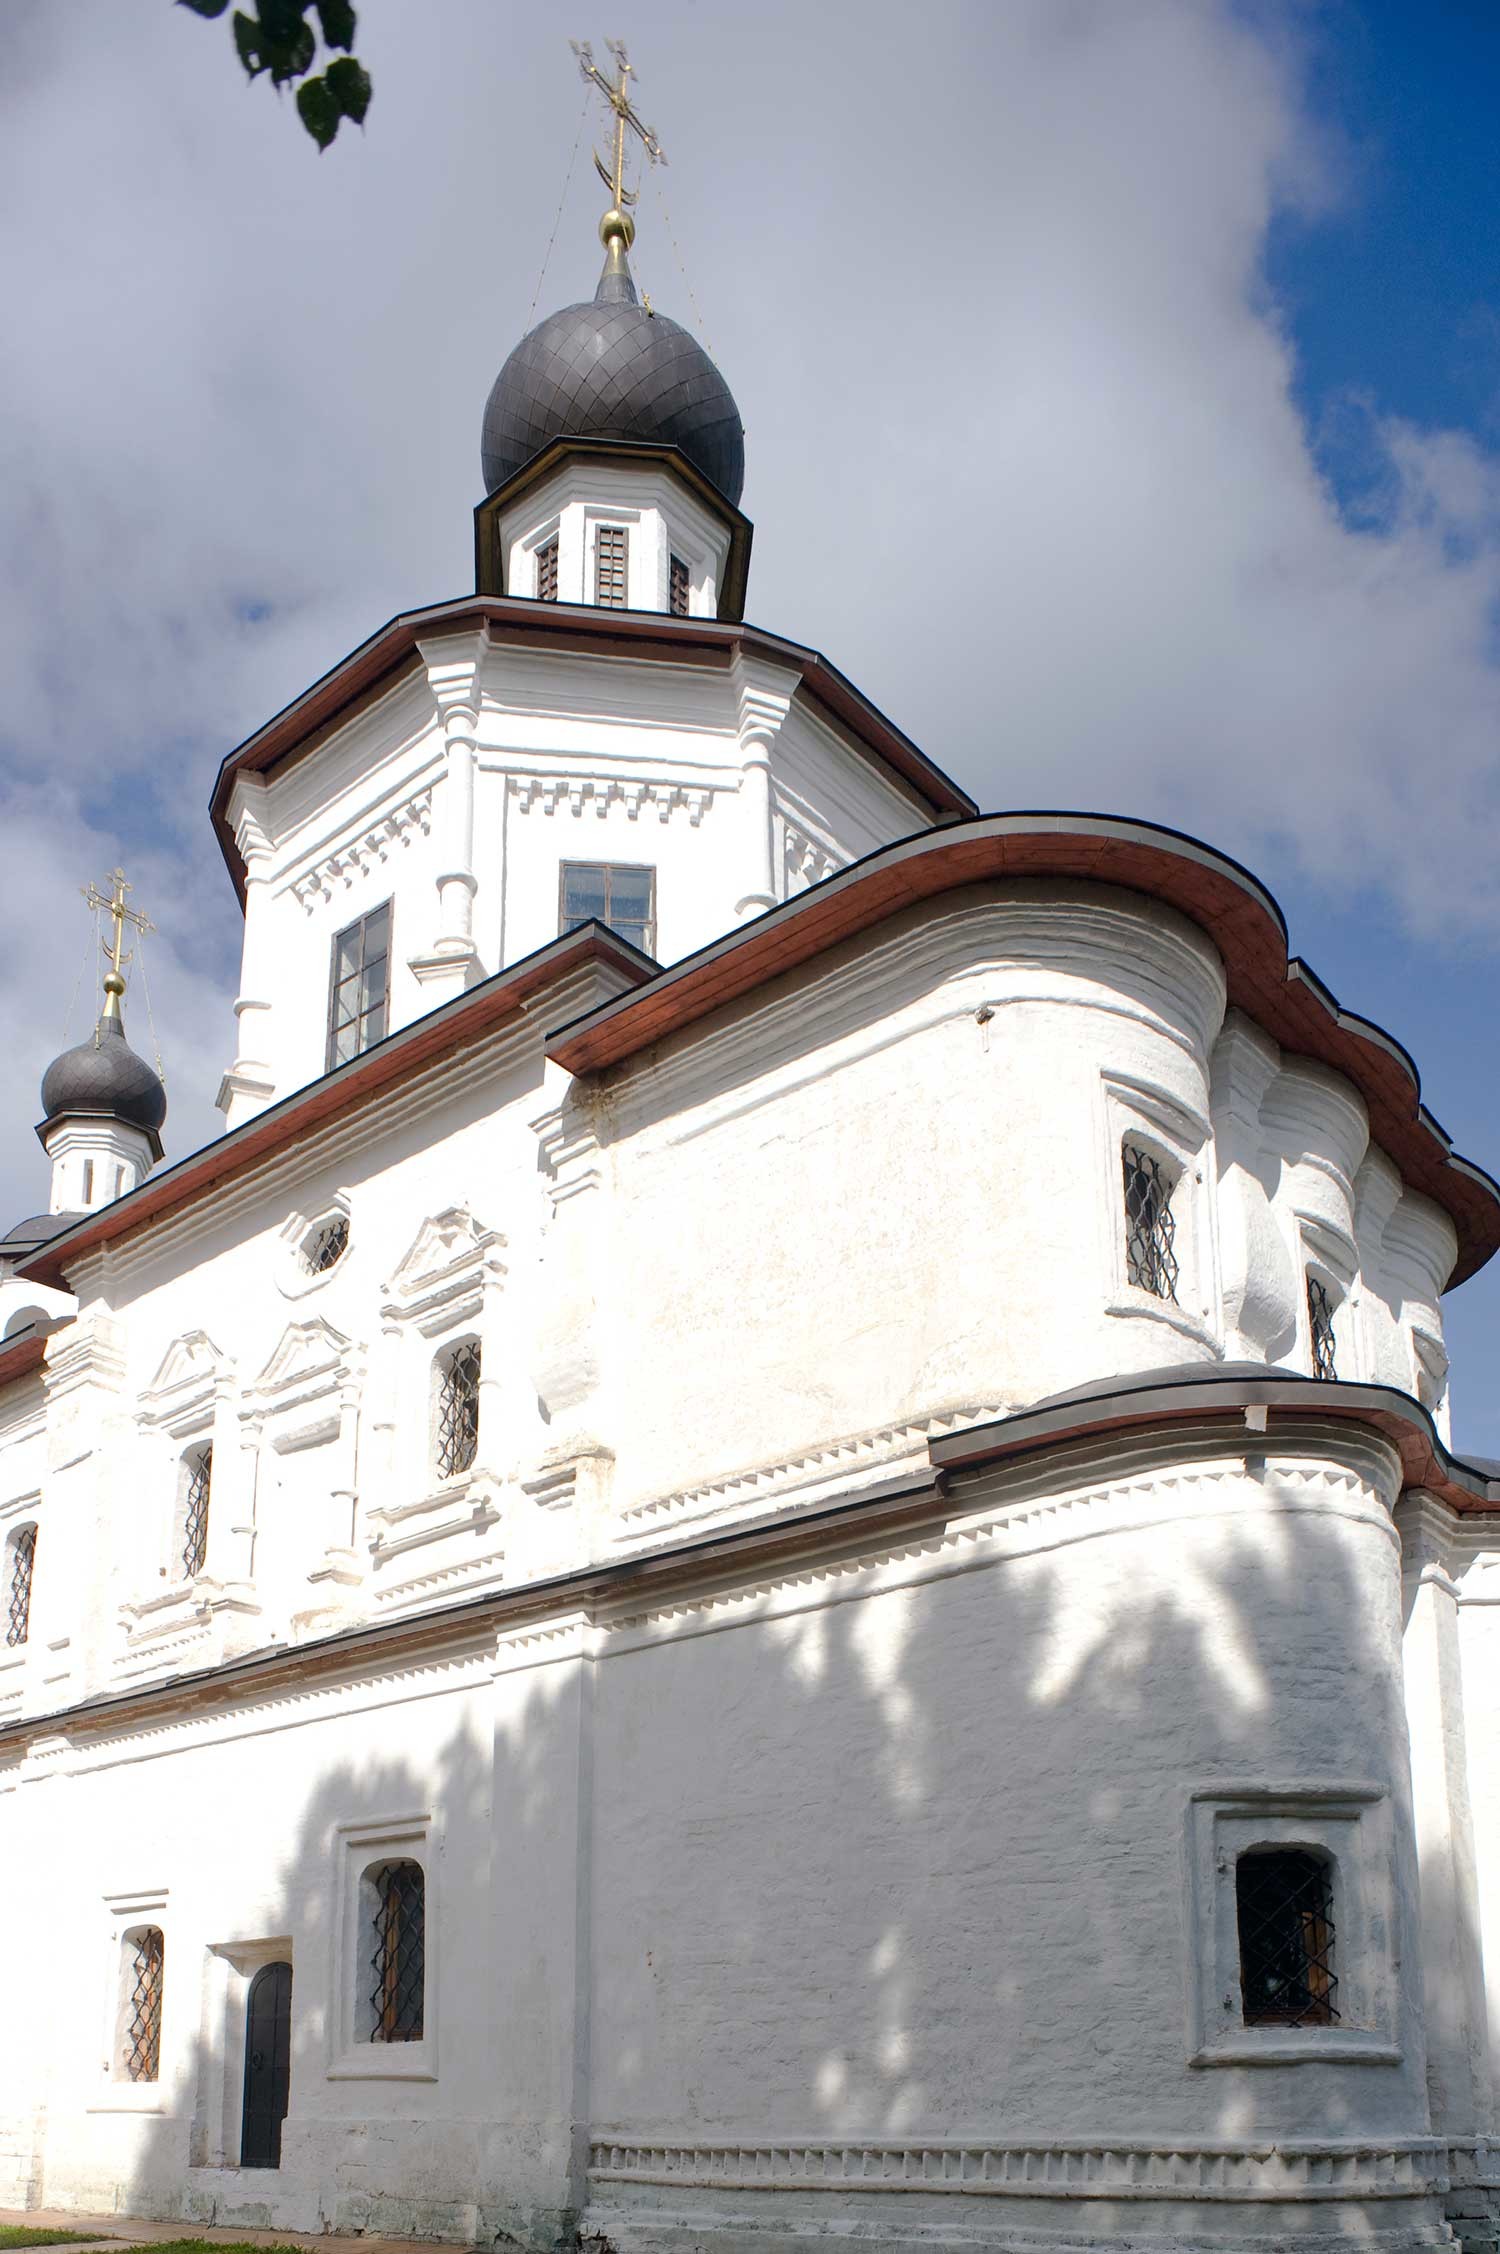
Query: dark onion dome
x=610 y=369
x=25 y=1237
x=104 y=1077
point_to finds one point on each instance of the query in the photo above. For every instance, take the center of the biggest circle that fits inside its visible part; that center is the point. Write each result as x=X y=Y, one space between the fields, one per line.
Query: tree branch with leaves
x=278 y=38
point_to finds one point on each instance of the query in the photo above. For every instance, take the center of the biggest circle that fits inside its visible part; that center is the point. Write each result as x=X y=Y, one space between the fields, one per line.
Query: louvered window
x=1150 y=1229
x=679 y=588
x=144 y=1968
x=359 y=992
x=611 y=550
x=398 y=1958
x=458 y=1411
x=18 y=1597
x=199 y=1468
x=1320 y=1306
x=612 y=893
x=1284 y=1902
x=546 y=573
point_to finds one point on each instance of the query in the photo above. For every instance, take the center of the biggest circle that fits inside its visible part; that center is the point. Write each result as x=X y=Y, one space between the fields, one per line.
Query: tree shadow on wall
x=888 y=1849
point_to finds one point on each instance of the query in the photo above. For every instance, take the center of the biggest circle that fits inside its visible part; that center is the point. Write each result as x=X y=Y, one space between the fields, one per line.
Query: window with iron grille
x=1320 y=1304
x=397 y=1960
x=1150 y=1229
x=546 y=573
x=1284 y=1901
x=611 y=550
x=325 y=1244
x=457 y=1432
x=145 y=1960
x=359 y=990
x=678 y=588
x=612 y=893
x=199 y=1471
x=18 y=1600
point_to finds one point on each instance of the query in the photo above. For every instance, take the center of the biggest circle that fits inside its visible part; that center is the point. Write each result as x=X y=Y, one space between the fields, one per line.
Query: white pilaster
x=250 y=1084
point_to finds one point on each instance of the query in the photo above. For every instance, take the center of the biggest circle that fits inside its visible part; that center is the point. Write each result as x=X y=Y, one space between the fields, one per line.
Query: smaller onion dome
x=104 y=1077
x=28 y=1236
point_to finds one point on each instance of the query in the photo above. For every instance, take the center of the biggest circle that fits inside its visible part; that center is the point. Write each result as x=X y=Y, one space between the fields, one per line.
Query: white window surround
x=1330 y=1257
x=357 y=1847
x=294 y=1279
x=1143 y=1112
x=127 y=1914
x=1350 y=1825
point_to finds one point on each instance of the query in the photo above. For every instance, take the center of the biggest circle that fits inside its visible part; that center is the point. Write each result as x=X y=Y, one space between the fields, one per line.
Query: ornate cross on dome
x=113 y=904
x=617 y=220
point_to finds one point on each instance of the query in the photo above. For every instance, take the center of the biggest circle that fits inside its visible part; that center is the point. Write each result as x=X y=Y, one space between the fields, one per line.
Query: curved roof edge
x=1236 y=911
x=1222 y=1392
x=520 y=620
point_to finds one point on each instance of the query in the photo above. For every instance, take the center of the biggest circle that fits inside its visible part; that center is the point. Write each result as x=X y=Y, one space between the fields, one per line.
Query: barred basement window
x=1320 y=1306
x=143 y=1971
x=398 y=1962
x=359 y=991
x=1284 y=1900
x=458 y=1411
x=1150 y=1230
x=678 y=587
x=546 y=573
x=325 y=1245
x=199 y=1468
x=611 y=549
x=22 y=1567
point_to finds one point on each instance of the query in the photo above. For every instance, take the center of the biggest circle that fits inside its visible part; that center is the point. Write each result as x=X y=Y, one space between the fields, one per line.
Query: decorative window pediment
x=181 y=1395
x=441 y=1280
x=310 y=1359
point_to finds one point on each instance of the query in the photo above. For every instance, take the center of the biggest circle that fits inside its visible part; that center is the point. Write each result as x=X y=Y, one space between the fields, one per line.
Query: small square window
x=359 y=989
x=608 y=892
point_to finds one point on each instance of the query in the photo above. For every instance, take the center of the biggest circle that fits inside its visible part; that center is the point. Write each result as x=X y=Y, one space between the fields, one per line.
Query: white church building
x=771 y=1548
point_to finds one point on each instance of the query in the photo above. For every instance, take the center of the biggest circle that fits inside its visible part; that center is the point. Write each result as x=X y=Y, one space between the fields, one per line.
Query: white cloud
x=1023 y=451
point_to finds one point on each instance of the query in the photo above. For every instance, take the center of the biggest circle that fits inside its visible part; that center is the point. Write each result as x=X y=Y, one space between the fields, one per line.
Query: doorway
x=268 y=2066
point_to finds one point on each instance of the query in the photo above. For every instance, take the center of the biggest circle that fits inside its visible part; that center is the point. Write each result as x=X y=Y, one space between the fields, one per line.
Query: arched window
x=22 y=1562
x=395 y=1896
x=1320 y=1306
x=456 y=1410
x=198 y=1473
x=1284 y=1904
x=1150 y=1228
x=142 y=1971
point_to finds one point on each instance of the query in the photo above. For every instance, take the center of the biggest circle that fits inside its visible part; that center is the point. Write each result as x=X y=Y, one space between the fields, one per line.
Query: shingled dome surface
x=104 y=1075
x=610 y=369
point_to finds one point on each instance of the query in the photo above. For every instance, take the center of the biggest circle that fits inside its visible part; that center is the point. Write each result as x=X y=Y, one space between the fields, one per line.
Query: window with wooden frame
x=1324 y=1346
x=612 y=893
x=1151 y=1262
x=456 y=1410
x=679 y=588
x=1284 y=1909
x=611 y=561
x=198 y=1473
x=359 y=988
x=143 y=1970
x=22 y=1562
x=546 y=572
x=397 y=1896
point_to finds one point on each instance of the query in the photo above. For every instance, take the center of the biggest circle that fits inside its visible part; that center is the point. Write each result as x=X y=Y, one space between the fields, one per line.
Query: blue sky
x=1169 y=326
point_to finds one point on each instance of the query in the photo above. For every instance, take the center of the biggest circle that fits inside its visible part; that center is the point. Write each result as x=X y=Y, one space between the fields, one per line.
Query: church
x=771 y=1549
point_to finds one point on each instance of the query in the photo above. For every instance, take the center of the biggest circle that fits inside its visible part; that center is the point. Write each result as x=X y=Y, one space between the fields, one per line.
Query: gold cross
x=617 y=94
x=113 y=904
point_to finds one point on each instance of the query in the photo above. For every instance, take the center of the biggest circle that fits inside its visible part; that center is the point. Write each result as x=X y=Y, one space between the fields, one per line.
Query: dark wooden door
x=268 y=2066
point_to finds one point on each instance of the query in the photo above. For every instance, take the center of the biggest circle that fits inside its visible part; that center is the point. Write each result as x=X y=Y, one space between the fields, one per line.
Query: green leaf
x=205 y=7
x=282 y=20
x=337 y=19
x=349 y=83
x=291 y=56
x=247 y=42
x=318 y=108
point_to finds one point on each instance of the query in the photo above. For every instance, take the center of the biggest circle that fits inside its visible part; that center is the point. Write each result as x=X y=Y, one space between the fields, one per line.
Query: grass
x=16 y=2234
